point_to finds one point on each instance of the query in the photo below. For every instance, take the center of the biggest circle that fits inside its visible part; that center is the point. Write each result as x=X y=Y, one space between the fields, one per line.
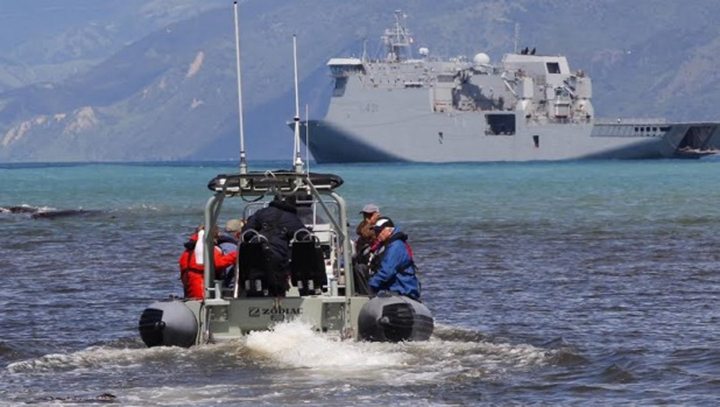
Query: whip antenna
x=307 y=138
x=243 y=163
x=296 y=151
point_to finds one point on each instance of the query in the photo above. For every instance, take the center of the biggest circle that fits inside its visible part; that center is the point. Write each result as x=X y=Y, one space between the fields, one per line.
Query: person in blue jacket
x=394 y=268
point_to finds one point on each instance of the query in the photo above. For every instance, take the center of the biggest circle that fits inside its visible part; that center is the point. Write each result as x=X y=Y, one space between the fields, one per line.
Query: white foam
x=295 y=344
x=144 y=206
x=203 y=395
x=42 y=209
x=94 y=357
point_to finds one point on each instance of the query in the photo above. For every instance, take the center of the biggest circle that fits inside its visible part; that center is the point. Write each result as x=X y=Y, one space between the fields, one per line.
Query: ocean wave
x=95 y=358
x=568 y=357
x=8 y=352
x=24 y=208
x=64 y=400
x=44 y=212
x=617 y=374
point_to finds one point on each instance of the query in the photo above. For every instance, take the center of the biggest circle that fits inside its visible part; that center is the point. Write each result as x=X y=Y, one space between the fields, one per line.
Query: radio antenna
x=296 y=151
x=307 y=138
x=243 y=162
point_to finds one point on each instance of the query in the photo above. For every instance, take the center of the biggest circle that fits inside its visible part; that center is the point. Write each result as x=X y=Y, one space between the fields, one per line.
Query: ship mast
x=397 y=39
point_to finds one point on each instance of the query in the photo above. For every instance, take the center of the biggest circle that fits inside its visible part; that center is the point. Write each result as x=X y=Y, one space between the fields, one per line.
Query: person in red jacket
x=192 y=273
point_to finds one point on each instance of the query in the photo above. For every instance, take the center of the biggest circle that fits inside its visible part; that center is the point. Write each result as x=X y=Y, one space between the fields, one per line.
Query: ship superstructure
x=527 y=107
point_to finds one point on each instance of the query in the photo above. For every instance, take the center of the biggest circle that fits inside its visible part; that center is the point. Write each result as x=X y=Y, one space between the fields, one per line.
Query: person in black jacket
x=278 y=222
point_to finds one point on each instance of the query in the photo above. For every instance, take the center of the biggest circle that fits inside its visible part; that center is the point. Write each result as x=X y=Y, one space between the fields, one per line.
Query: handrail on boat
x=261 y=184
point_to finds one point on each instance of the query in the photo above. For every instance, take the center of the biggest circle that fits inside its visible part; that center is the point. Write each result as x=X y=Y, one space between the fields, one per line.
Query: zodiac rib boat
x=322 y=293
x=528 y=107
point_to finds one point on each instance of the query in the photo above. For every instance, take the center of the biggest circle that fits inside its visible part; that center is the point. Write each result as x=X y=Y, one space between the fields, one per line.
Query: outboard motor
x=168 y=323
x=393 y=318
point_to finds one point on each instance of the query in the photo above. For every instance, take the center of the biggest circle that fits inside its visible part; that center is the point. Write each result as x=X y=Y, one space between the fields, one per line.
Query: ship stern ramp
x=695 y=140
x=652 y=139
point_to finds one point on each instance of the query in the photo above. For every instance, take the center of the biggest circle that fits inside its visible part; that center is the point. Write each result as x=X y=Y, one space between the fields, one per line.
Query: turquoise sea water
x=552 y=283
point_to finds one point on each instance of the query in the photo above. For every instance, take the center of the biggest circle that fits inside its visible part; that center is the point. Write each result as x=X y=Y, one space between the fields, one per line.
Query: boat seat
x=254 y=264
x=307 y=264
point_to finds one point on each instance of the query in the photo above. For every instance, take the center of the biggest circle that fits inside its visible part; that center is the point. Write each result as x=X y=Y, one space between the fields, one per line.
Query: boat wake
x=92 y=358
x=450 y=352
x=292 y=355
x=449 y=355
x=295 y=344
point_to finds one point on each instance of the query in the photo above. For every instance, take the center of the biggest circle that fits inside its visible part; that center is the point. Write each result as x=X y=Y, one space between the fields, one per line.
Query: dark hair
x=286 y=199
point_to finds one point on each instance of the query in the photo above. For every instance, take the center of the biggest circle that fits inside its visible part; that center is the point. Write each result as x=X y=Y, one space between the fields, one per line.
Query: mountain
x=46 y=40
x=166 y=89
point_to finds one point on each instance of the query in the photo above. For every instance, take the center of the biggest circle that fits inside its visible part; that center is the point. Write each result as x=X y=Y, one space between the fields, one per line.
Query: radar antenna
x=243 y=163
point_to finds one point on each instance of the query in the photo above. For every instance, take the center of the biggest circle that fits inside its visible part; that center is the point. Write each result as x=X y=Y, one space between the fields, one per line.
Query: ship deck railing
x=632 y=120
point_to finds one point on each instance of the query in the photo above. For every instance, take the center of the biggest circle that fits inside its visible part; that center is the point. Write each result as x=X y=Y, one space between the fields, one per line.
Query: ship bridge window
x=339 y=89
x=553 y=67
x=500 y=124
x=345 y=70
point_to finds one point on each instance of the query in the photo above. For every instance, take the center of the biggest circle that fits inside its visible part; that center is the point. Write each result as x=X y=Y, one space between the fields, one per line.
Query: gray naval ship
x=528 y=107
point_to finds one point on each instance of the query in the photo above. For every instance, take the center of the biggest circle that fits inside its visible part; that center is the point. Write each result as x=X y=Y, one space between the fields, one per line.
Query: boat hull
x=168 y=323
x=439 y=140
x=394 y=318
x=185 y=323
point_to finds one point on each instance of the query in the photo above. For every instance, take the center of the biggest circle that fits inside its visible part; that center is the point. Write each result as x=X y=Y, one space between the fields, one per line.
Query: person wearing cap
x=395 y=270
x=364 y=230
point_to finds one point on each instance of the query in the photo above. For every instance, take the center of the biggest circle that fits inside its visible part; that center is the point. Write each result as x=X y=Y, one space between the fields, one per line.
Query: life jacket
x=405 y=280
x=403 y=268
x=379 y=251
x=187 y=258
